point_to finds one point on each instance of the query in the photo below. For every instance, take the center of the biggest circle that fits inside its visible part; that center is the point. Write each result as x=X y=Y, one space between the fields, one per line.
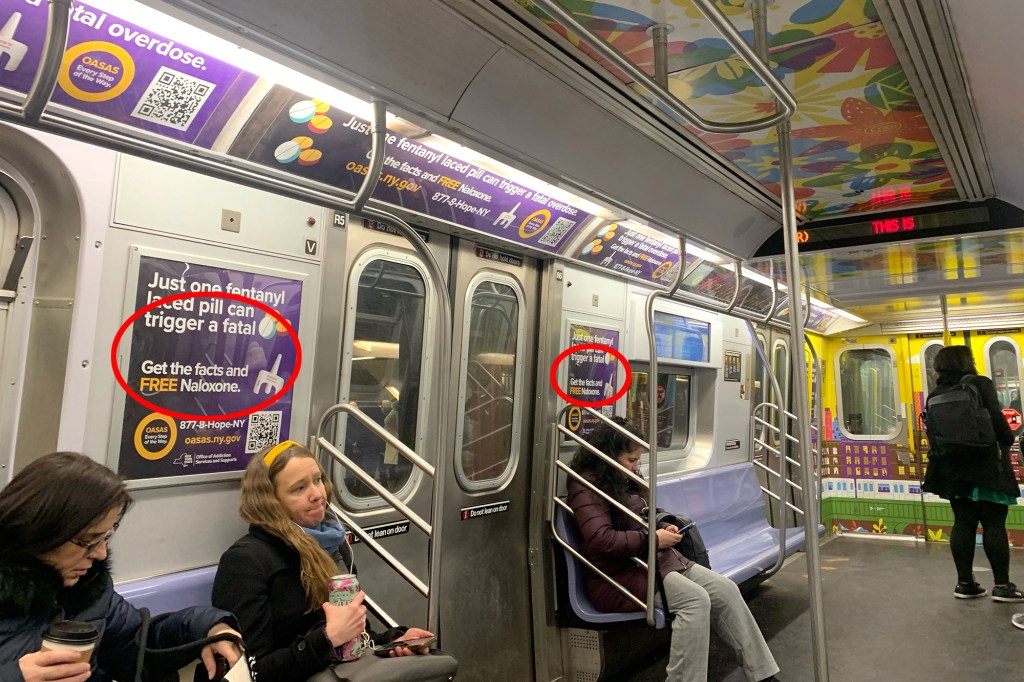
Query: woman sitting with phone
x=56 y=518
x=276 y=579
x=698 y=597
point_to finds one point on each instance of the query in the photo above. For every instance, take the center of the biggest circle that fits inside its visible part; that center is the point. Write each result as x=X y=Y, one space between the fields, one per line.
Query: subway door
x=8 y=362
x=379 y=332
x=485 y=595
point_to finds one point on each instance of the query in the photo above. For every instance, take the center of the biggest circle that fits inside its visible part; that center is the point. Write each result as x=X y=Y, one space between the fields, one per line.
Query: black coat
x=958 y=473
x=32 y=595
x=258 y=580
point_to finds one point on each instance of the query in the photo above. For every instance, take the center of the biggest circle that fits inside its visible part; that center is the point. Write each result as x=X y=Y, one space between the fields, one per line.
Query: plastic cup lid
x=72 y=632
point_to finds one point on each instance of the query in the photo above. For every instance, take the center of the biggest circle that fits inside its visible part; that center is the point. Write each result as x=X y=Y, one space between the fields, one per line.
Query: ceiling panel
x=860 y=139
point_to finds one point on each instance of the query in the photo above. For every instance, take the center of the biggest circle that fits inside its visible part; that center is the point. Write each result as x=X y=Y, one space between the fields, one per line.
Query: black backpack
x=957 y=418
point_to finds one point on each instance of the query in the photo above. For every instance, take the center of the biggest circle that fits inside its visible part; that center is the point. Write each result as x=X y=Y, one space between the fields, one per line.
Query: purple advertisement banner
x=206 y=356
x=310 y=138
x=130 y=75
x=593 y=375
x=630 y=252
x=123 y=72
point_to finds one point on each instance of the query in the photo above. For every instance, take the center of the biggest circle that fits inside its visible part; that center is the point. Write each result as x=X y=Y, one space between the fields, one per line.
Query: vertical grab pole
x=801 y=408
x=652 y=432
x=659 y=35
x=378 y=150
x=797 y=365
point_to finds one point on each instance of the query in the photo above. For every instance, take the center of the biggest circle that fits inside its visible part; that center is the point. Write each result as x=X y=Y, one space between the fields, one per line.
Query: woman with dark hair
x=978 y=482
x=276 y=578
x=698 y=597
x=56 y=518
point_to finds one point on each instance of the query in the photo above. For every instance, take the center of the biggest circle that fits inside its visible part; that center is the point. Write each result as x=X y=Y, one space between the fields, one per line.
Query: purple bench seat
x=170 y=592
x=575 y=582
x=729 y=507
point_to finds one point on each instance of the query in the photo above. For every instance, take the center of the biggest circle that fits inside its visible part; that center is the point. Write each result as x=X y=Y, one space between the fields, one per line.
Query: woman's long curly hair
x=260 y=507
x=612 y=443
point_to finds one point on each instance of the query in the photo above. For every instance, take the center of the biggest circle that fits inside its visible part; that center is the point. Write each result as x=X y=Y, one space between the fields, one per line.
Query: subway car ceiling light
x=955 y=323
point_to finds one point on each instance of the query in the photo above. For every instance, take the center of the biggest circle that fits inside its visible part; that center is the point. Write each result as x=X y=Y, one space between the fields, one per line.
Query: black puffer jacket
x=32 y=595
x=958 y=473
x=258 y=580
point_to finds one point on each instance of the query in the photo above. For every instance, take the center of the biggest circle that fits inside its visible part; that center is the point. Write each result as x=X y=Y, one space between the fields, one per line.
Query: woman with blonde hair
x=275 y=578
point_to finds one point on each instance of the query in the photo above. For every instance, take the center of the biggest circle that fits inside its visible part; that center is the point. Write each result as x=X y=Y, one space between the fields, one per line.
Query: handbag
x=437 y=666
x=182 y=663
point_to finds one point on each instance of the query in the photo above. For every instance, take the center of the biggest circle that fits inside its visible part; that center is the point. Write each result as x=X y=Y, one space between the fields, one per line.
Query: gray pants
x=700 y=599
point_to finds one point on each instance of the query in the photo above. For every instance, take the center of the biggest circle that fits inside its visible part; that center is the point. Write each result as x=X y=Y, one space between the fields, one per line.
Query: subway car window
x=928 y=374
x=867 y=392
x=1004 y=370
x=490 y=377
x=674 y=391
x=387 y=350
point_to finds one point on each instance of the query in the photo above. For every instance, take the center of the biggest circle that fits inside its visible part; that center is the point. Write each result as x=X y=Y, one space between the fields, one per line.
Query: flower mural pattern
x=860 y=141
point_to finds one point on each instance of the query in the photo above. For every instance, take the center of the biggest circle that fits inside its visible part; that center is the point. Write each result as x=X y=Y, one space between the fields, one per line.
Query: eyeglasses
x=91 y=547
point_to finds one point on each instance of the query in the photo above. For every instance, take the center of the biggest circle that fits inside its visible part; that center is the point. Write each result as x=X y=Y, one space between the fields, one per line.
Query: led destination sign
x=894 y=228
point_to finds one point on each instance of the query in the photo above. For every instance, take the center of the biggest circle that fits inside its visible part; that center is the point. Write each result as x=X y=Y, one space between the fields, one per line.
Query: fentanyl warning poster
x=203 y=357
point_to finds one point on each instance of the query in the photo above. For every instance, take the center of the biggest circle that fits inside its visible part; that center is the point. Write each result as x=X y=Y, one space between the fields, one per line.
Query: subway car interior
x=440 y=241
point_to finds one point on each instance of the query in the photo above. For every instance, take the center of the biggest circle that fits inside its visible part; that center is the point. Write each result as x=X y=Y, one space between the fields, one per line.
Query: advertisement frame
x=115 y=428
x=617 y=408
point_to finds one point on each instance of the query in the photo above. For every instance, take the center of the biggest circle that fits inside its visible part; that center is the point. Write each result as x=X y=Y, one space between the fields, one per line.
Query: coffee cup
x=71 y=635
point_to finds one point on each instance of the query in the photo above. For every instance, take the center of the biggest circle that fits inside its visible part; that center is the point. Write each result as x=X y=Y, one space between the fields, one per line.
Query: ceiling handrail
x=783 y=97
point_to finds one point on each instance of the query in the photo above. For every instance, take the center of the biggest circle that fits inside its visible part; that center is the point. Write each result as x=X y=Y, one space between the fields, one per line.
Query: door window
x=491 y=378
x=780 y=366
x=760 y=388
x=385 y=367
x=867 y=395
x=928 y=374
x=1004 y=369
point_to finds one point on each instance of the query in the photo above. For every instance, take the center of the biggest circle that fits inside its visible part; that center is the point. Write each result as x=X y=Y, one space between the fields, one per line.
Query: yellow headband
x=269 y=458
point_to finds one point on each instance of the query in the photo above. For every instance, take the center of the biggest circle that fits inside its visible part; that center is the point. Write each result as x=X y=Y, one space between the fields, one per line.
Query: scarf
x=330 y=534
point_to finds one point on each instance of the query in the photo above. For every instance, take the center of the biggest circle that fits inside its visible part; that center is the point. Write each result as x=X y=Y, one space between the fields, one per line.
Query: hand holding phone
x=386 y=649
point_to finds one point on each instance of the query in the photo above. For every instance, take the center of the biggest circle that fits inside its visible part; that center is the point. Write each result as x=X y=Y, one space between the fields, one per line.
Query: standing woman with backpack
x=977 y=479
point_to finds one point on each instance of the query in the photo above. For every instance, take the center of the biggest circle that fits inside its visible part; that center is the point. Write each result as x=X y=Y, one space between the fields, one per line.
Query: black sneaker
x=1007 y=592
x=969 y=591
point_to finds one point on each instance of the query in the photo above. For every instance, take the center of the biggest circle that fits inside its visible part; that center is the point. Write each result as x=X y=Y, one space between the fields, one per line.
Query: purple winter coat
x=609 y=539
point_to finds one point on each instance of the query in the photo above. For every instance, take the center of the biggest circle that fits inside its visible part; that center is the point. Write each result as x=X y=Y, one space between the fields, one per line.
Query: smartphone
x=687 y=527
x=385 y=649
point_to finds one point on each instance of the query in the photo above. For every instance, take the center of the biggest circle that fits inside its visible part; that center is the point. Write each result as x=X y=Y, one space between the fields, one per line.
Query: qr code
x=556 y=232
x=173 y=99
x=264 y=431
